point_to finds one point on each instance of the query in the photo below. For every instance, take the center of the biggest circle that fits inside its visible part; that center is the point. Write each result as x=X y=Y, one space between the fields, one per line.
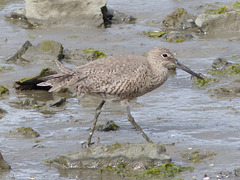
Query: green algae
x=176 y=39
x=6 y=68
x=236 y=56
x=49 y=161
x=167 y=170
x=109 y=126
x=233 y=69
x=120 y=168
x=197 y=156
x=72 y=37
x=47 y=45
x=31 y=37
x=181 y=11
x=170 y=37
x=3 y=90
x=220 y=10
x=96 y=53
x=145 y=54
x=37 y=106
x=155 y=33
x=37 y=141
x=20 y=81
x=204 y=82
x=32 y=81
x=45 y=72
x=179 y=40
x=117 y=145
x=236 y=4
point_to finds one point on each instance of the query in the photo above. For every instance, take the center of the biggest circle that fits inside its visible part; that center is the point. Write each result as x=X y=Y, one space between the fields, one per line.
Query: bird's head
x=162 y=58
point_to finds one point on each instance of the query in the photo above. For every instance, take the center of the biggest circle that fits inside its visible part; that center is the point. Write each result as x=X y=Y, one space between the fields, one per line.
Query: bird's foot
x=86 y=144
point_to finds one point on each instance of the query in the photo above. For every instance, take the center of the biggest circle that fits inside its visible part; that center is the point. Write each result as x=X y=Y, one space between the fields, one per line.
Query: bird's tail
x=57 y=80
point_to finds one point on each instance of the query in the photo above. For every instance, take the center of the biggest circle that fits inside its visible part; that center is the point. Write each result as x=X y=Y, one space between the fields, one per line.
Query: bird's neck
x=159 y=73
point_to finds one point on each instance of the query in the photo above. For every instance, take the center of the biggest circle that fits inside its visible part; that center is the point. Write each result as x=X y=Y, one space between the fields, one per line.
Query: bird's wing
x=113 y=78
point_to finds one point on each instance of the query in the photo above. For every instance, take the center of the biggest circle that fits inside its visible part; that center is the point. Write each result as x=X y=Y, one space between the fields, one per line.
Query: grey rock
x=44 y=51
x=179 y=19
x=59 y=102
x=220 y=64
x=111 y=16
x=17 y=14
x=230 y=89
x=28 y=102
x=237 y=172
x=175 y=36
x=223 y=19
x=119 y=17
x=146 y=154
x=109 y=126
x=17 y=56
x=76 y=12
x=26 y=132
x=82 y=56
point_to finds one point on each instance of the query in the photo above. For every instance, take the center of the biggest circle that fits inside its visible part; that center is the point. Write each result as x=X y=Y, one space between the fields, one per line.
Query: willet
x=119 y=78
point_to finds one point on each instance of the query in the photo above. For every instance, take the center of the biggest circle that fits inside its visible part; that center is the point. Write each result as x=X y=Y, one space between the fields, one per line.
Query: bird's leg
x=132 y=121
x=97 y=113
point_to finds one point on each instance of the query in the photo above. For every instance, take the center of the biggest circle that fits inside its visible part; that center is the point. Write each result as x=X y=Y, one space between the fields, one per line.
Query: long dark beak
x=185 y=68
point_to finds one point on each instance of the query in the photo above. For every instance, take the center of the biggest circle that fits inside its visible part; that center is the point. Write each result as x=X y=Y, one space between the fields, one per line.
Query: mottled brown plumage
x=120 y=78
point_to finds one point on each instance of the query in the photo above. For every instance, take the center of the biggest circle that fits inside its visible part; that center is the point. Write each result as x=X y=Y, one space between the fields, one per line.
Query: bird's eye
x=164 y=55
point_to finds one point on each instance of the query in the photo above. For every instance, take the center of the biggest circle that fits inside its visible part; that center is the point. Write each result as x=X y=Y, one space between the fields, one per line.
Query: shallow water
x=174 y=113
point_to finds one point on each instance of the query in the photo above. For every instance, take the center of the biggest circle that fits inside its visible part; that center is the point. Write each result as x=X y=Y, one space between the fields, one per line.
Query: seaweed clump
x=27 y=132
x=167 y=170
x=96 y=53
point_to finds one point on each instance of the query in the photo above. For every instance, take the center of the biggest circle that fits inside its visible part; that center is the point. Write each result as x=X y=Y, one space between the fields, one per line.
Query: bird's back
x=115 y=77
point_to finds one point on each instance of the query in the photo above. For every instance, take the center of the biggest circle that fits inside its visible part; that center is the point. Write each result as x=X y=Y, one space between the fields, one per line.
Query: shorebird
x=117 y=78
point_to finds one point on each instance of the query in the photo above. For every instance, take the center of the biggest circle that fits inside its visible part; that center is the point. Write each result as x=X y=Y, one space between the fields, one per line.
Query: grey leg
x=132 y=121
x=97 y=113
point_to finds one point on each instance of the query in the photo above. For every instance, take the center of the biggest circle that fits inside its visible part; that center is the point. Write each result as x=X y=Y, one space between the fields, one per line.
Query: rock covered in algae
x=172 y=36
x=31 y=82
x=224 y=75
x=82 y=56
x=3 y=163
x=179 y=19
x=142 y=154
x=45 y=51
x=3 y=90
x=221 y=19
x=26 y=132
x=109 y=126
